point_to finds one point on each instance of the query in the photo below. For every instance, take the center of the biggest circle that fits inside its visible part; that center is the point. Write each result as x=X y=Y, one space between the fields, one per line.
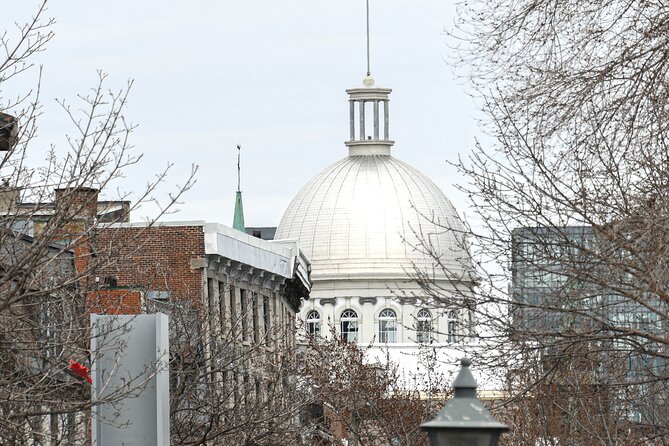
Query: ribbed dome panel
x=359 y=218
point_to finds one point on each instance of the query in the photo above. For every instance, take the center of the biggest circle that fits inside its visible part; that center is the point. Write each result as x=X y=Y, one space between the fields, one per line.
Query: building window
x=176 y=370
x=254 y=315
x=211 y=306
x=452 y=327
x=233 y=312
x=163 y=296
x=314 y=323
x=424 y=327
x=221 y=306
x=387 y=326
x=243 y=313
x=266 y=316
x=349 y=325
x=247 y=389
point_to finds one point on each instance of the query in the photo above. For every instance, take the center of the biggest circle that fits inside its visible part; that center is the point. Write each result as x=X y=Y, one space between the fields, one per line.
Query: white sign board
x=129 y=369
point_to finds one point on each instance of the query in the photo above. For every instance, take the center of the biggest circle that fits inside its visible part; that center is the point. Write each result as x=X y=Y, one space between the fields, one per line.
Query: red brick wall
x=157 y=259
x=114 y=301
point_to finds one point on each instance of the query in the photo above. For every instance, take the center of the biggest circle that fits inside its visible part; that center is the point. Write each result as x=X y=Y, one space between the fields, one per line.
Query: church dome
x=364 y=216
x=370 y=216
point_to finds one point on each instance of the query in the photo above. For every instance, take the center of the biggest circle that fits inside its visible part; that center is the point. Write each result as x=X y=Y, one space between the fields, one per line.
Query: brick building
x=37 y=331
x=43 y=325
x=206 y=264
x=134 y=264
x=232 y=298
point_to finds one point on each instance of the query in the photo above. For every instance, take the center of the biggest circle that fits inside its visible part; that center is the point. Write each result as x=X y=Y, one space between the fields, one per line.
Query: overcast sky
x=267 y=74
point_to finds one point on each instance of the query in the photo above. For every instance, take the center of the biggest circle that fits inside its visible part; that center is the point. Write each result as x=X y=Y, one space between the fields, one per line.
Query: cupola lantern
x=368 y=134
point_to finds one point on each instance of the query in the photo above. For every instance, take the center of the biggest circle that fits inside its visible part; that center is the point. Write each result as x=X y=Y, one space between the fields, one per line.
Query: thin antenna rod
x=368 y=69
x=239 y=170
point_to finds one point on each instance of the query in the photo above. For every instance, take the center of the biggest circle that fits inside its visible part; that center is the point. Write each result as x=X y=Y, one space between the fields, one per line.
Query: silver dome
x=361 y=218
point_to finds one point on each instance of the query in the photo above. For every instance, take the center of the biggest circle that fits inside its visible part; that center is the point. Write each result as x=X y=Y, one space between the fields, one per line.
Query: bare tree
x=47 y=268
x=364 y=403
x=570 y=191
x=228 y=390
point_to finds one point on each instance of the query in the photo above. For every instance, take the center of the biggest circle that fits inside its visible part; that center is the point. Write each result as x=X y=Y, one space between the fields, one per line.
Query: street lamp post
x=464 y=420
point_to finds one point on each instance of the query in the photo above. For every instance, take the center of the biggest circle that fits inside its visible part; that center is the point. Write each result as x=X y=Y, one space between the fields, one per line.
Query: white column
x=362 y=120
x=376 y=119
x=352 y=118
x=386 y=133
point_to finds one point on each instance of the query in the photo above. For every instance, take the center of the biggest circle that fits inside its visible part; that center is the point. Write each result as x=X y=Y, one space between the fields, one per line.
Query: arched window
x=452 y=327
x=349 y=325
x=423 y=327
x=314 y=323
x=387 y=326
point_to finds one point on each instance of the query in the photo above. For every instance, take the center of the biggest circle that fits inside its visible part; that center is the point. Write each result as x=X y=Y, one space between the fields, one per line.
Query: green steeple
x=238 y=221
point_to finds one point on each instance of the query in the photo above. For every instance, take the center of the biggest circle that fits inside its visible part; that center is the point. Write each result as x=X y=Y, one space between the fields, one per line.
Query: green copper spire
x=238 y=221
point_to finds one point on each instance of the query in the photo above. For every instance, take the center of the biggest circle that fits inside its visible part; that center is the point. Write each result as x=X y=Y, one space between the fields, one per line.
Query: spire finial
x=369 y=73
x=239 y=167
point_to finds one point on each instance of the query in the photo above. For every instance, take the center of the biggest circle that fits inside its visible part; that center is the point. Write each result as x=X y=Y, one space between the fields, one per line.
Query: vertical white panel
x=130 y=355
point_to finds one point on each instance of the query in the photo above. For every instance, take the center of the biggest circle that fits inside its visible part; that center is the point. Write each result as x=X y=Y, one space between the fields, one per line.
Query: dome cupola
x=369 y=135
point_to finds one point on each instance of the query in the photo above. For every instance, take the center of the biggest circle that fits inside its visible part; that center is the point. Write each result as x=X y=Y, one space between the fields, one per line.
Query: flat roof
x=281 y=257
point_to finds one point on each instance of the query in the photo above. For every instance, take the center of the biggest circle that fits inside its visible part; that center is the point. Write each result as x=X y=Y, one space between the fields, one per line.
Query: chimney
x=125 y=209
x=77 y=203
x=9 y=198
x=78 y=206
